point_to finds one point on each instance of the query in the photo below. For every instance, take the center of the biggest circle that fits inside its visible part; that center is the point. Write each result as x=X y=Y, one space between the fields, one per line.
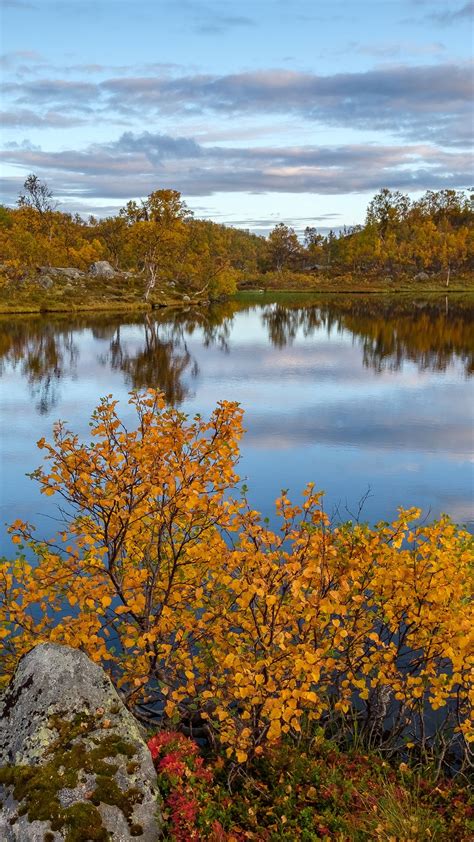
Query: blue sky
x=257 y=112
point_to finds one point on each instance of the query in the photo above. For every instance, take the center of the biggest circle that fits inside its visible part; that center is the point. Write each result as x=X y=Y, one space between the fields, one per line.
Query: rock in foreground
x=73 y=764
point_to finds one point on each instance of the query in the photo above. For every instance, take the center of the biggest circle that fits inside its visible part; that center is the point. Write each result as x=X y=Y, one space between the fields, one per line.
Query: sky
x=257 y=112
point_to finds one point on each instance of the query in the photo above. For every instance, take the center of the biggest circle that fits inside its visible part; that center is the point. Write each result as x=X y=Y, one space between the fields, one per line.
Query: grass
x=84 y=295
x=355 y=283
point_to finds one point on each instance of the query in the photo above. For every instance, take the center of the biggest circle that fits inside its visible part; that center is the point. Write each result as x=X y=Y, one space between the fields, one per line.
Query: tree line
x=160 y=239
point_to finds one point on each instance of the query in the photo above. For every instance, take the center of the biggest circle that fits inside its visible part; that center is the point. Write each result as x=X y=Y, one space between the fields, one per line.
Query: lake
x=366 y=396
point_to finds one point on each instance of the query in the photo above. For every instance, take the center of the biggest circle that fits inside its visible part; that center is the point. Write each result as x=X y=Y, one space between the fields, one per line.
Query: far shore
x=56 y=301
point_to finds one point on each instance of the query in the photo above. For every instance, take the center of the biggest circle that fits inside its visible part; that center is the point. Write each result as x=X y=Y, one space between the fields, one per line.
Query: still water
x=355 y=394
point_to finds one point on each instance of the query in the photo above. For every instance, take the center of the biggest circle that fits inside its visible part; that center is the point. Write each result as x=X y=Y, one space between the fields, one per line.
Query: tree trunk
x=151 y=282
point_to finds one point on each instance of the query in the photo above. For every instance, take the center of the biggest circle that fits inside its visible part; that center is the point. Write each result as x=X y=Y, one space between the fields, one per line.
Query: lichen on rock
x=73 y=764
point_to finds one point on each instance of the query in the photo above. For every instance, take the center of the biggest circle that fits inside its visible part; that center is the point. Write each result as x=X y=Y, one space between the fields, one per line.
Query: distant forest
x=160 y=239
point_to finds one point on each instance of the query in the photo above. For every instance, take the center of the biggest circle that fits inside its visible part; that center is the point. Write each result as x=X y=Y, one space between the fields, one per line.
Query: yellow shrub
x=194 y=603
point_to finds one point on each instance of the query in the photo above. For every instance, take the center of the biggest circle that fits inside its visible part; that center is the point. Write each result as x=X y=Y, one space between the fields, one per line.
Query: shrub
x=196 y=606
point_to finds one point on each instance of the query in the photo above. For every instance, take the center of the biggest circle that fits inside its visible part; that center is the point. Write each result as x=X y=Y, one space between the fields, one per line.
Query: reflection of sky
x=312 y=412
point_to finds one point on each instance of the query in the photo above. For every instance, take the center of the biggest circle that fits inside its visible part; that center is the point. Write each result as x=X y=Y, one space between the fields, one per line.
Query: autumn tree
x=313 y=242
x=36 y=194
x=283 y=247
x=387 y=210
x=112 y=233
x=157 y=234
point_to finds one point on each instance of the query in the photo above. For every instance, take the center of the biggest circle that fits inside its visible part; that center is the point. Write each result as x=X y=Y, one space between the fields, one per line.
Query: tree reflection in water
x=430 y=333
x=160 y=362
x=41 y=353
x=46 y=349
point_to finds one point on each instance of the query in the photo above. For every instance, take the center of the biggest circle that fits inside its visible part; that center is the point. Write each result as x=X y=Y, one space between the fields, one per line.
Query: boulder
x=73 y=762
x=102 y=269
x=73 y=274
x=46 y=281
x=422 y=276
x=61 y=272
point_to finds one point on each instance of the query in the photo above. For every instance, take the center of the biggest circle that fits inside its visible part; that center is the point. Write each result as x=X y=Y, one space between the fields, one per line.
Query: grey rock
x=102 y=269
x=422 y=276
x=61 y=272
x=58 y=687
x=74 y=274
x=186 y=298
x=46 y=281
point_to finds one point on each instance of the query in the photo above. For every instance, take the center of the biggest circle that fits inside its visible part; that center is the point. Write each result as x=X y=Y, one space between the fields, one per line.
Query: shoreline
x=110 y=306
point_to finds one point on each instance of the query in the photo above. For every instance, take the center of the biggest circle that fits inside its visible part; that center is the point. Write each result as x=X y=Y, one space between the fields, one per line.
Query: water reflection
x=348 y=393
x=42 y=352
x=46 y=349
x=432 y=334
x=160 y=363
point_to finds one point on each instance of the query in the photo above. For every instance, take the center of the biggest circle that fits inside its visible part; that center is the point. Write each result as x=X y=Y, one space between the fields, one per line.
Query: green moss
x=132 y=767
x=108 y=792
x=37 y=788
x=83 y=821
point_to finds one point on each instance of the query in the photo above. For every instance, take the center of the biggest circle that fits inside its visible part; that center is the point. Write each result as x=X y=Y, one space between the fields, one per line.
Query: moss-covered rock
x=73 y=764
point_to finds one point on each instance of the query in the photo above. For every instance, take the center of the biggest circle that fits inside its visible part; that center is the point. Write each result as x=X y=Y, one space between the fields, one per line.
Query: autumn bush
x=208 y=618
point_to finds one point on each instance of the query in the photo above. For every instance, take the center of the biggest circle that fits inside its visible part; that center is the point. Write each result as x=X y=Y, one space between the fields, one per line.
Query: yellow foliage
x=258 y=629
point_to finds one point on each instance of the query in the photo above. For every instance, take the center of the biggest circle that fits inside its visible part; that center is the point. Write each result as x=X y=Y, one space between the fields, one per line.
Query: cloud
x=417 y=102
x=219 y=24
x=136 y=164
x=74 y=95
x=209 y=18
x=157 y=147
x=9 y=60
x=24 y=118
x=449 y=16
x=394 y=49
x=370 y=427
